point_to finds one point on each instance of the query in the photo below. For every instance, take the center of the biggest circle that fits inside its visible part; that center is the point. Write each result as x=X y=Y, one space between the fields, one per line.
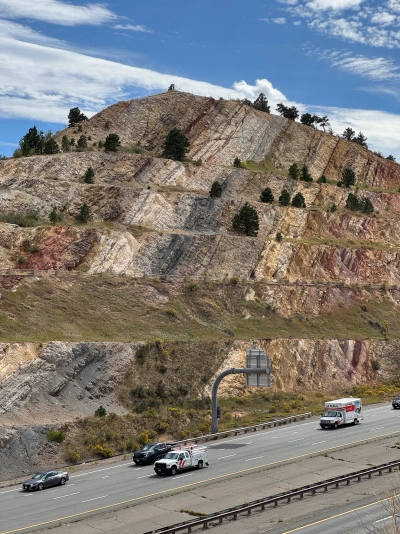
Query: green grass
x=266 y=167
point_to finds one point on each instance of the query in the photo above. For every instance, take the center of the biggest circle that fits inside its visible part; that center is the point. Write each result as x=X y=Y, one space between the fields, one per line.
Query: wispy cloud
x=16 y=31
x=5 y=143
x=358 y=21
x=132 y=27
x=56 y=12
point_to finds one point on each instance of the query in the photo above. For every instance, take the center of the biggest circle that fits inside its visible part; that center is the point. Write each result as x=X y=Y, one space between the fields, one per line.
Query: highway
x=110 y=487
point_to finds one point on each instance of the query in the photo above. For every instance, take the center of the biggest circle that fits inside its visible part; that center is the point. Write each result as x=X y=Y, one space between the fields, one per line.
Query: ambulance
x=341 y=412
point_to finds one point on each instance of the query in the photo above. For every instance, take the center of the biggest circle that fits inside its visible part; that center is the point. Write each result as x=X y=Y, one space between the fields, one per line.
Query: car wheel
x=356 y=421
x=151 y=460
x=136 y=462
x=200 y=464
x=62 y=481
x=173 y=470
x=40 y=487
x=322 y=426
x=336 y=425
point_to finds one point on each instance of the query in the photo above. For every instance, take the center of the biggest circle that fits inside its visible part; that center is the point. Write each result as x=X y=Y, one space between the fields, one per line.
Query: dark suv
x=150 y=453
x=396 y=402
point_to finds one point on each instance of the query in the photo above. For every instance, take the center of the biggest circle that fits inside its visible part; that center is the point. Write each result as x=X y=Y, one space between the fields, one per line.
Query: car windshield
x=171 y=456
x=148 y=446
x=38 y=475
x=332 y=413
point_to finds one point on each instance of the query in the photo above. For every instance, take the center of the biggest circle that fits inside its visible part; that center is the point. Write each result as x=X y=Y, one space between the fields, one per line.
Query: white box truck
x=341 y=412
x=182 y=458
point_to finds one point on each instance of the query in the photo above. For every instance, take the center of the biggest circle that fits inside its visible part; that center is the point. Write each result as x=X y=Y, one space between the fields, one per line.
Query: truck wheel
x=173 y=470
x=200 y=464
x=336 y=425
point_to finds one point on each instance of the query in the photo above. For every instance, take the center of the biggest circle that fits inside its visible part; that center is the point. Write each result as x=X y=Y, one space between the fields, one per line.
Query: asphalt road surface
x=110 y=487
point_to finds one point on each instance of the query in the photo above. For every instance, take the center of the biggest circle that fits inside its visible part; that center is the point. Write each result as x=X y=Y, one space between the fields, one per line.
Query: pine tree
x=267 y=196
x=89 y=175
x=54 y=216
x=348 y=177
x=216 y=190
x=322 y=179
x=348 y=134
x=84 y=213
x=305 y=175
x=176 y=145
x=367 y=206
x=65 y=144
x=82 y=143
x=294 y=171
x=284 y=199
x=75 y=116
x=261 y=103
x=298 y=201
x=246 y=221
x=352 y=202
x=112 y=142
x=51 y=146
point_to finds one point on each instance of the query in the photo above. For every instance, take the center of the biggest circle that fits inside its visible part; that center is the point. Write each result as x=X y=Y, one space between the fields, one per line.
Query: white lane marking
x=295 y=432
x=144 y=476
x=377 y=428
x=69 y=495
x=256 y=458
x=250 y=443
x=107 y=476
x=95 y=498
x=384 y=519
x=229 y=456
x=30 y=495
x=181 y=476
x=293 y=440
x=318 y=442
x=100 y=470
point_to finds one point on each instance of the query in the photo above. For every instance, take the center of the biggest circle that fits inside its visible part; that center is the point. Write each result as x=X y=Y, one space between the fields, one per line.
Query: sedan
x=45 y=479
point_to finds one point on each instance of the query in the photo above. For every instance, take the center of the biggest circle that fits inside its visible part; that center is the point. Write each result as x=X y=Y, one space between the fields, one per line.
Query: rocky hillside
x=159 y=259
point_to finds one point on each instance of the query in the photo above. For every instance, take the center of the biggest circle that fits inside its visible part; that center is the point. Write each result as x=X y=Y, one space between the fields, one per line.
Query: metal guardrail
x=217 y=518
x=245 y=429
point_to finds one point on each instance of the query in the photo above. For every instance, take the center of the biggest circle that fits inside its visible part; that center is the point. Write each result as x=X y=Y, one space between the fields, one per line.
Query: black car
x=151 y=452
x=396 y=402
x=45 y=479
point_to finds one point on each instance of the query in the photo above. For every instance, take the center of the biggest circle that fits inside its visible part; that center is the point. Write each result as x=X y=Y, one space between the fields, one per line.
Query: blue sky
x=330 y=57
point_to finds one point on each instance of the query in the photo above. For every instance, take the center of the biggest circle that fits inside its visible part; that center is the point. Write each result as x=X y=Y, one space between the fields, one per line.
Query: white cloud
x=24 y=33
x=5 y=143
x=279 y=20
x=336 y=5
x=132 y=27
x=378 y=68
x=56 y=12
x=42 y=83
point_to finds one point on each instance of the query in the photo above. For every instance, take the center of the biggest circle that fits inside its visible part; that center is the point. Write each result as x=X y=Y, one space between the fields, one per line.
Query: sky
x=339 y=58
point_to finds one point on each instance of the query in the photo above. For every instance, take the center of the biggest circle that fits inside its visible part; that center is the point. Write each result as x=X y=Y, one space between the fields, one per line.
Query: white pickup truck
x=180 y=459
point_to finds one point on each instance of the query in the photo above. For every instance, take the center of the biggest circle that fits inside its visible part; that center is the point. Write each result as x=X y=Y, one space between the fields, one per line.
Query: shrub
x=103 y=451
x=333 y=208
x=100 y=412
x=73 y=456
x=107 y=125
x=171 y=312
x=216 y=190
x=278 y=237
x=234 y=280
x=31 y=218
x=65 y=143
x=21 y=260
x=56 y=435
x=267 y=196
x=339 y=184
x=322 y=179
x=192 y=286
x=237 y=163
x=82 y=143
x=246 y=221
